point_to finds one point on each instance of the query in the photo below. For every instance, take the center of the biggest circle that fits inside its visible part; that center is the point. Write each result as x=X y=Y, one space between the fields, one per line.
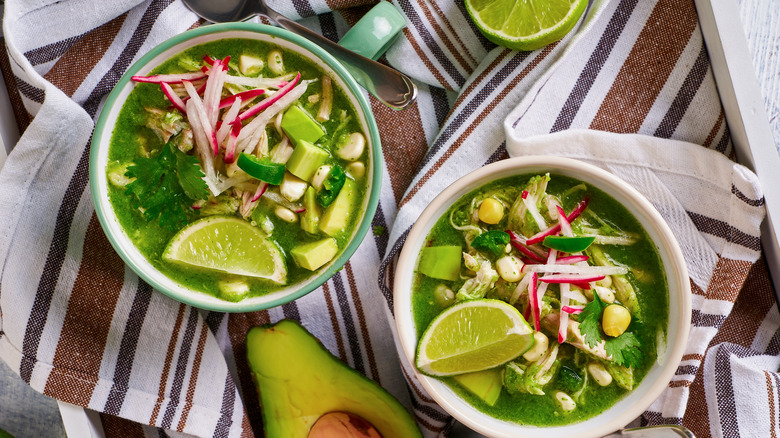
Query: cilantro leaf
x=589 y=321
x=190 y=176
x=159 y=186
x=625 y=350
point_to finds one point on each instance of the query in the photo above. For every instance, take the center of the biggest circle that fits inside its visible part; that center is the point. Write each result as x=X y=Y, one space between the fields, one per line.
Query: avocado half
x=299 y=381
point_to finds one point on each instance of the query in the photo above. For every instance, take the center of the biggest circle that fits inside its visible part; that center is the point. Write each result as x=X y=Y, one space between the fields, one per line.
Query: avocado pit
x=342 y=425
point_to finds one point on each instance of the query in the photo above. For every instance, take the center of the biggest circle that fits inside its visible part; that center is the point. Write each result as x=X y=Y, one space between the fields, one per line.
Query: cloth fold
x=79 y=326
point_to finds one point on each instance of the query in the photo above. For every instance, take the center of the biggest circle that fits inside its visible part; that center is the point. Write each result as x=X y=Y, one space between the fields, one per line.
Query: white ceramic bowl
x=658 y=377
x=101 y=140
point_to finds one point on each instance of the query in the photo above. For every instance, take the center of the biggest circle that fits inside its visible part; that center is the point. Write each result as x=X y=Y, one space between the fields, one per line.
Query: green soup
x=619 y=242
x=148 y=111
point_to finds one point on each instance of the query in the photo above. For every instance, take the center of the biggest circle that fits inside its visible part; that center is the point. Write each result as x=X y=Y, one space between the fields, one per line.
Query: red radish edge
x=300 y=210
x=561 y=278
x=570 y=310
x=270 y=100
x=563 y=222
x=533 y=300
x=173 y=97
x=171 y=79
x=199 y=91
x=515 y=241
x=583 y=285
x=230 y=152
x=260 y=191
x=244 y=95
x=570 y=260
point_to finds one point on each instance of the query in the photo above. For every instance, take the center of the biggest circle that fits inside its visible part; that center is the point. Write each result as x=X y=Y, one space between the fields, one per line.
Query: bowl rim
x=191 y=297
x=676 y=271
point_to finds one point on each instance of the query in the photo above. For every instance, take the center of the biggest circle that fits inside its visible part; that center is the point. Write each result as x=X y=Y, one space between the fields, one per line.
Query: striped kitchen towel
x=77 y=325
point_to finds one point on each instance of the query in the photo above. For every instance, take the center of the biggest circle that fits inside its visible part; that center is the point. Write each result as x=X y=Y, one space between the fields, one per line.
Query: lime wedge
x=525 y=24
x=472 y=336
x=227 y=244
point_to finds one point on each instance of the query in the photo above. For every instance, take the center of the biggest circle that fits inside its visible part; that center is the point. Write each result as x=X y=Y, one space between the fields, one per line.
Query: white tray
x=745 y=113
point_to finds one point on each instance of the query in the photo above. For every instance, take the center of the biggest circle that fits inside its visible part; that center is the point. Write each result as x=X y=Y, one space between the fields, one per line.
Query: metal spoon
x=391 y=87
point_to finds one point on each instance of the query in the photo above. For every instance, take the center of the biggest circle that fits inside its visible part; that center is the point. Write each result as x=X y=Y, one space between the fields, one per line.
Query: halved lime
x=227 y=244
x=525 y=24
x=472 y=336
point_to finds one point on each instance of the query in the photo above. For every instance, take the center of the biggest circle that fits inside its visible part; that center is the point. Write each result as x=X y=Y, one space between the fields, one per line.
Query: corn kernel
x=491 y=211
x=615 y=320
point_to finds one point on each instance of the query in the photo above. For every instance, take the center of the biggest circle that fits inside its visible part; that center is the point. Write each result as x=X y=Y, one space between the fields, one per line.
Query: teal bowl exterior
x=102 y=136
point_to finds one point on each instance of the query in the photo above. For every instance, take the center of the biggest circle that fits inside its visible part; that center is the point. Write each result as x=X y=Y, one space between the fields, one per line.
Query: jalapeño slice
x=262 y=169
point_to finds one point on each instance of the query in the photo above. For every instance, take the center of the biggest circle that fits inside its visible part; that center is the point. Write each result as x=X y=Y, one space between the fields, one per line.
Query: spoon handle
x=666 y=431
x=390 y=86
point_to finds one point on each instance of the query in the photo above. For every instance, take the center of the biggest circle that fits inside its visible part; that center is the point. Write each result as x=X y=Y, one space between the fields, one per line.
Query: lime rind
x=230 y=245
x=515 y=28
x=455 y=343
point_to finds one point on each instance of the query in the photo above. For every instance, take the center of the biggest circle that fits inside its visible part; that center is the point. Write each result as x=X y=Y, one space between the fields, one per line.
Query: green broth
x=131 y=139
x=651 y=292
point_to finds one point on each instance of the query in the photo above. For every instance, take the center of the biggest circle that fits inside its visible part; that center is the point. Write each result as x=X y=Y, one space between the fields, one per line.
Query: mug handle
x=373 y=34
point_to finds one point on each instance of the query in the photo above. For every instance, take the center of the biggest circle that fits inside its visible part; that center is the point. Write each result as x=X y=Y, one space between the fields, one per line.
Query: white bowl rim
x=669 y=251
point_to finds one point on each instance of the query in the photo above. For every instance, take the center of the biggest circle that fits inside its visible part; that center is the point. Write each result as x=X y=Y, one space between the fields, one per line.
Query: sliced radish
x=253 y=129
x=522 y=286
x=572 y=309
x=524 y=195
x=551 y=257
x=533 y=301
x=212 y=95
x=244 y=95
x=530 y=204
x=564 y=320
x=267 y=102
x=230 y=151
x=173 y=97
x=583 y=286
x=171 y=79
x=570 y=260
x=538 y=237
x=201 y=140
x=260 y=191
x=571 y=278
x=577 y=269
x=200 y=113
x=230 y=116
x=514 y=239
x=277 y=82
x=563 y=222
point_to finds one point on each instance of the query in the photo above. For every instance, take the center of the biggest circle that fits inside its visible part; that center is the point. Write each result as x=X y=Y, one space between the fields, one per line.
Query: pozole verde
x=238 y=129
x=595 y=277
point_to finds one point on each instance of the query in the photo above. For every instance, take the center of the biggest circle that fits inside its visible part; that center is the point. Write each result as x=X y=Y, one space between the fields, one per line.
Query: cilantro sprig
x=624 y=349
x=166 y=185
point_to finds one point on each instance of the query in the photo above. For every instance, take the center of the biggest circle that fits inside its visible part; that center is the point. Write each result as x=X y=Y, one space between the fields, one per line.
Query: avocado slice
x=338 y=214
x=484 y=384
x=305 y=159
x=299 y=125
x=441 y=262
x=299 y=381
x=313 y=255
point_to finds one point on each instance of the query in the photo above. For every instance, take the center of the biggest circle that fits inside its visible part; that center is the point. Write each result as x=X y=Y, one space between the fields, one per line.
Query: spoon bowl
x=390 y=86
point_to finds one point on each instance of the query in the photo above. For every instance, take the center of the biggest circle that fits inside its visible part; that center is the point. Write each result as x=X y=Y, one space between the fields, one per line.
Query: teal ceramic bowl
x=105 y=126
